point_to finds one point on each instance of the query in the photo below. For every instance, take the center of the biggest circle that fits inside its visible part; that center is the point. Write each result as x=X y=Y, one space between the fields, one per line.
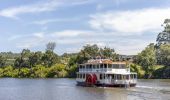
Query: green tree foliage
x=93 y=51
x=57 y=70
x=8 y=71
x=72 y=71
x=162 y=73
x=50 y=46
x=22 y=61
x=25 y=73
x=1 y=72
x=167 y=25
x=35 y=58
x=147 y=59
x=49 y=58
x=164 y=36
x=163 y=54
x=39 y=71
x=138 y=69
x=107 y=52
x=2 y=61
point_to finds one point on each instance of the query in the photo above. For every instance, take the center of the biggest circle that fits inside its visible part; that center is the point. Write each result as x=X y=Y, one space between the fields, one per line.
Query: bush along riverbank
x=39 y=71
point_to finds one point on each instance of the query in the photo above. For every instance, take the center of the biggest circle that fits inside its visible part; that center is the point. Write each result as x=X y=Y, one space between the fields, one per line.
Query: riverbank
x=39 y=71
x=61 y=71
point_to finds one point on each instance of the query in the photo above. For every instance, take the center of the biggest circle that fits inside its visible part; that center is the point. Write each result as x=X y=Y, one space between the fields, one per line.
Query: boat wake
x=146 y=87
x=164 y=90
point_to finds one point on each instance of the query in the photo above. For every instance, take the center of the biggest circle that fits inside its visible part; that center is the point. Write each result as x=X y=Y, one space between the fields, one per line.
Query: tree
x=23 y=60
x=164 y=36
x=138 y=69
x=91 y=50
x=57 y=70
x=2 y=61
x=49 y=58
x=50 y=46
x=88 y=51
x=107 y=52
x=147 y=59
x=35 y=58
x=163 y=54
x=163 y=40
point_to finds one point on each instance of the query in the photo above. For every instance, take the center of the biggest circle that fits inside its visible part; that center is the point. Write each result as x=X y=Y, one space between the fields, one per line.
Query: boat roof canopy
x=102 y=61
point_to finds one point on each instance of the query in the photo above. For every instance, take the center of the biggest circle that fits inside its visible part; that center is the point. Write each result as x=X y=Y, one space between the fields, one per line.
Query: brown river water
x=66 y=89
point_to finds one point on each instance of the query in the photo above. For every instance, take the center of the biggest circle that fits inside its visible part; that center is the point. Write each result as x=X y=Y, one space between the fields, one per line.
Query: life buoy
x=91 y=79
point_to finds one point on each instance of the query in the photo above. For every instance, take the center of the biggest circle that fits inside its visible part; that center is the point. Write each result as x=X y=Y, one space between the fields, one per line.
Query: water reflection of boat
x=104 y=72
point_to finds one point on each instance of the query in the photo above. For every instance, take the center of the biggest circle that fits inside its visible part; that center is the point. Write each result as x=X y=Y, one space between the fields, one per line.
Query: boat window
x=90 y=66
x=79 y=75
x=80 y=66
x=97 y=66
x=131 y=76
x=105 y=65
x=119 y=66
x=83 y=75
x=118 y=76
x=110 y=76
x=87 y=66
x=94 y=66
x=100 y=76
x=115 y=66
x=135 y=76
x=107 y=75
x=114 y=76
x=109 y=66
x=127 y=77
x=101 y=65
x=123 y=66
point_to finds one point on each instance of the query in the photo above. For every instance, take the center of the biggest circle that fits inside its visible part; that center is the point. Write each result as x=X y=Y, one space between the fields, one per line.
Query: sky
x=128 y=26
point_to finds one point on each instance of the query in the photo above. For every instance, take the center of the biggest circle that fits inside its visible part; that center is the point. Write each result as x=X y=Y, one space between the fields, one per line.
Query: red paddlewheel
x=91 y=79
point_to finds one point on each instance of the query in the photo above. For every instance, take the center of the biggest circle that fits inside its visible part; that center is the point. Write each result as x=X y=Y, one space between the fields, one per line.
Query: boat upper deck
x=104 y=66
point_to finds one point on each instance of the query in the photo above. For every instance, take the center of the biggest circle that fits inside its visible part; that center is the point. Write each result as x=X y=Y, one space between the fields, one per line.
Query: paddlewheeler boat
x=105 y=73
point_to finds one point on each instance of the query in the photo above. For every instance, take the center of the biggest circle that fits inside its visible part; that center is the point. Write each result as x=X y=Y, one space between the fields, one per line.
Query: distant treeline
x=152 y=62
x=49 y=64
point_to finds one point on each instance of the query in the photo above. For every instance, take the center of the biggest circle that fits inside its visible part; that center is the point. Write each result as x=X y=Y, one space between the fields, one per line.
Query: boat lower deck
x=105 y=85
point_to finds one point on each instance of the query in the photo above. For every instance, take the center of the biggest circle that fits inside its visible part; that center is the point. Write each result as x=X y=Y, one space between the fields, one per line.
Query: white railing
x=113 y=81
x=105 y=70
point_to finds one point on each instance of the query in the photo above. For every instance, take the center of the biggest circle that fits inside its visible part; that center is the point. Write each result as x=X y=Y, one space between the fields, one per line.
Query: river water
x=66 y=89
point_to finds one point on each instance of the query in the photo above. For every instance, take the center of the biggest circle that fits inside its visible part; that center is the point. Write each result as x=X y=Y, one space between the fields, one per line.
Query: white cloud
x=28 y=41
x=130 y=22
x=39 y=35
x=46 y=21
x=130 y=46
x=72 y=33
x=73 y=40
x=99 y=7
x=49 y=5
x=40 y=38
x=34 y=8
